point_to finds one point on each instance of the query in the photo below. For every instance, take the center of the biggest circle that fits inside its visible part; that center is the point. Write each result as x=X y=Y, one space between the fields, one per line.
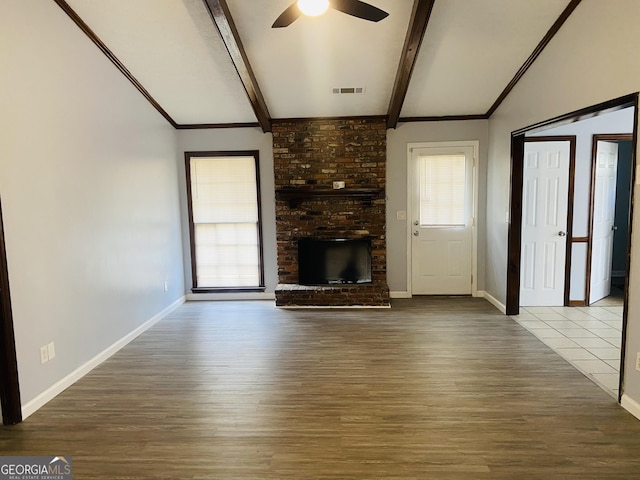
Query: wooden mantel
x=295 y=196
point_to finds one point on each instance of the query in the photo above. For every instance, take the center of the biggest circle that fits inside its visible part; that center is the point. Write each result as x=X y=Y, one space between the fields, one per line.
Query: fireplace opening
x=336 y=261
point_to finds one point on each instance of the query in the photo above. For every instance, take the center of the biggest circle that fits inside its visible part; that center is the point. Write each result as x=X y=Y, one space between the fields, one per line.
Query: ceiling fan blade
x=359 y=9
x=287 y=17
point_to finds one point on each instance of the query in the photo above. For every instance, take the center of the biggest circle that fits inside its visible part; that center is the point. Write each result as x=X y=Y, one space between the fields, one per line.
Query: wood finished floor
x=431 y=389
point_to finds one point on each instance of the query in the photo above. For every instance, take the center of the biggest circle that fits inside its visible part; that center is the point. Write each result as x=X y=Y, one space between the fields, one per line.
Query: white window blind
x=224 y=201
x=442 y=190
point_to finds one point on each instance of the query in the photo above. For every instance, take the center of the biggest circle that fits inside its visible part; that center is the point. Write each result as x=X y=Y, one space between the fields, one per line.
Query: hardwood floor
x=434 y=388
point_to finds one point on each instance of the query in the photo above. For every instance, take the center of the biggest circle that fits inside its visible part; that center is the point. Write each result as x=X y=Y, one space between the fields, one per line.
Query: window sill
x=227 y=289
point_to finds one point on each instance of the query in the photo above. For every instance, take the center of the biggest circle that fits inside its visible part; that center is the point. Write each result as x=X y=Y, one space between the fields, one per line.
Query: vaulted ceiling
x=219 y=62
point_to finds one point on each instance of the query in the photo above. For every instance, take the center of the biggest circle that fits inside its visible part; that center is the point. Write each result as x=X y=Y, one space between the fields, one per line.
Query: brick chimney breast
x=309 y=155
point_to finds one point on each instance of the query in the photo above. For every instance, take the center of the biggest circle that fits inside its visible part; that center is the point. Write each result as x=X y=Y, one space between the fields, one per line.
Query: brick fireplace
x=309 y=156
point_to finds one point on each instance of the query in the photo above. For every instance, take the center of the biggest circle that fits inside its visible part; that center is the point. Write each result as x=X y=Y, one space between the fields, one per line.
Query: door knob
x=614 y=228
x=562 y=234
x=416 y=223
x=416 y=233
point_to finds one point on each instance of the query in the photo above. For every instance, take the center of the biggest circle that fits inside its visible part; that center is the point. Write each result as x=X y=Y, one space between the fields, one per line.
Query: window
x=442 y=190
x=224 y=215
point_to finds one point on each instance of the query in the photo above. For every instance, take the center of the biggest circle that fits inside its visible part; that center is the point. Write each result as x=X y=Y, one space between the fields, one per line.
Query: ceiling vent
x=344 y=90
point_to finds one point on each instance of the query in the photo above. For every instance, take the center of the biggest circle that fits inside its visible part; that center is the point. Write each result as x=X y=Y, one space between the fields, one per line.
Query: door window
x=442 y=190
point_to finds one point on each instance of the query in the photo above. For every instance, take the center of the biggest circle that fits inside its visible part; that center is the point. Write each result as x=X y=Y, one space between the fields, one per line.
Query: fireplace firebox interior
x=336 y=261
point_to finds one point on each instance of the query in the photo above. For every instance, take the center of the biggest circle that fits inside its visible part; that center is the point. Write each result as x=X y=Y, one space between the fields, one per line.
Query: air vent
x=344 y=90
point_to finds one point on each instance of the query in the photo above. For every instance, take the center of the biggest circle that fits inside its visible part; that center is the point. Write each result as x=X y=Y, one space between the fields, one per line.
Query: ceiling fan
x=355 y=8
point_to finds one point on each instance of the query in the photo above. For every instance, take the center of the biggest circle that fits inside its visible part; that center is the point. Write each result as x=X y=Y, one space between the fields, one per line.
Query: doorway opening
x=516 y=207
x=610 y=207
x=9 y=387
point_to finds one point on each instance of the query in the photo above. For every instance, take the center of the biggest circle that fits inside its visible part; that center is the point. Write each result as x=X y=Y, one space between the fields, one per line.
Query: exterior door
x=442 y=220
x=544 y=223
x=604 y=208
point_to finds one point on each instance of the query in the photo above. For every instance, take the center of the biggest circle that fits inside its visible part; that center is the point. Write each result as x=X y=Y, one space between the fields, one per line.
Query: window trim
x=192 y=245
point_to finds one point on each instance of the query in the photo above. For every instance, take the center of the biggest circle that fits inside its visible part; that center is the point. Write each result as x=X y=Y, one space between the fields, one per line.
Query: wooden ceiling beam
x=534 y=55
x=415 y=34
x=221 y=17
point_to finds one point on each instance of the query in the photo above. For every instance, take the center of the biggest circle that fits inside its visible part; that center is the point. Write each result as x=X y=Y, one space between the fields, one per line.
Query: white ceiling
x=471 y=51
x=174 y=50
x=297 y=66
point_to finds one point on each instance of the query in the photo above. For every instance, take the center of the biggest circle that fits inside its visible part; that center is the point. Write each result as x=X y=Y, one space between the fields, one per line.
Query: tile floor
x=587 y=337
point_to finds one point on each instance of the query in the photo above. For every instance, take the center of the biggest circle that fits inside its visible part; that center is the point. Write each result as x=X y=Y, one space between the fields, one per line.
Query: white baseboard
x=231 y=296
x=493 y=301
x=57 y=388
x=631 y=406
x=400 y=294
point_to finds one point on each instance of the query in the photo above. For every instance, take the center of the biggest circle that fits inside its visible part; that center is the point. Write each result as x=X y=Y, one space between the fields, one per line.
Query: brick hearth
x=309 y=155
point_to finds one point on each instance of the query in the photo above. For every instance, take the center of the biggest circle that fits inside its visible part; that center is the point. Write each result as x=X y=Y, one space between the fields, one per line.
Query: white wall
x=89 y=186
x=397 y=141
x=579 y=68
x=233 y=139
x=620 y=121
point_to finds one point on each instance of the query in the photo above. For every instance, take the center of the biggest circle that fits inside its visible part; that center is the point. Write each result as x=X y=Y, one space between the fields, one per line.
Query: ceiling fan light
x=313 y=8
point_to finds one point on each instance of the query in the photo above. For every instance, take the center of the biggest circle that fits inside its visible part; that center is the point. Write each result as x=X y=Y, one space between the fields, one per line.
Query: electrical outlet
x=44 y=355
x=51 y=351
x=401 y=215
x=638 y=361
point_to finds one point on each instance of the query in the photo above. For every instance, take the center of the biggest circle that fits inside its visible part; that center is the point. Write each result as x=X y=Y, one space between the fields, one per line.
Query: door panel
x=530 y=203
x=550 y=262
x=553 y=188
x=528 y=269
x=544 y=225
